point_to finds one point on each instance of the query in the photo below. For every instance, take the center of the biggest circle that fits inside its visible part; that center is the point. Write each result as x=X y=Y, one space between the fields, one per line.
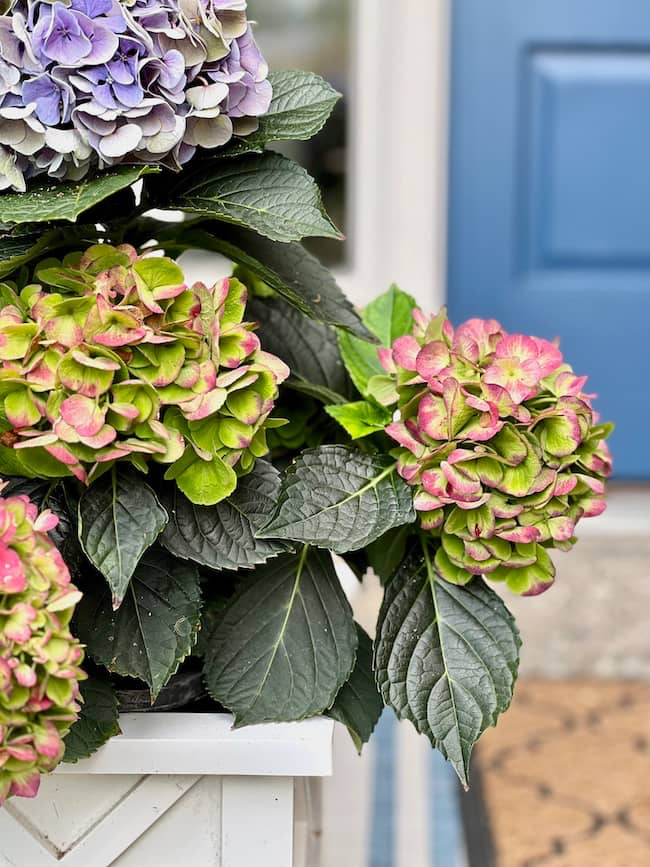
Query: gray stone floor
x=595 y=620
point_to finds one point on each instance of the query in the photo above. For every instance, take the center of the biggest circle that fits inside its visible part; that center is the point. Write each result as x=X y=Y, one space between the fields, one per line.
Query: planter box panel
x=198 y=793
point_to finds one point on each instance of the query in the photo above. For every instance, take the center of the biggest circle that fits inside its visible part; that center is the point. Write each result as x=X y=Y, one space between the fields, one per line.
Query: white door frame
x=399 y=143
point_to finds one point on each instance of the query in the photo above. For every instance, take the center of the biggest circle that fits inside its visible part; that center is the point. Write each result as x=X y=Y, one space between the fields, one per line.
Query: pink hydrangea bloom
x=502 y=444
x=113 y=355
x=39 y=658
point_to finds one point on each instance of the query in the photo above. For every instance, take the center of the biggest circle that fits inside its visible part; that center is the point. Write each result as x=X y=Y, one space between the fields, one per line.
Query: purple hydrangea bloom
x=94 y=83
x=246 y=73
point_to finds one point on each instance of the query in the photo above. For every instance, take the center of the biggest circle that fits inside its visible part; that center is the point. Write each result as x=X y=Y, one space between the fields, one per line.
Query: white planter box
x=179 y=790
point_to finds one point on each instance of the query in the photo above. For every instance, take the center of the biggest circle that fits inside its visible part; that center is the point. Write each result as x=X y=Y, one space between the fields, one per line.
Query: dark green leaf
x=154 y=629
x=266 y=192
x=119 y=518
x=16 y=250
x=446 y=657
x=211 y=614
x=360 y=419
x=341 y=499
x=97 y=723
x=359 y=705
x=286 y=643
x=317 y=392
x=385 y=555
x=66 y=201
x=288 y=269
x=310 y=348
x=223 y=536
x=302 y=102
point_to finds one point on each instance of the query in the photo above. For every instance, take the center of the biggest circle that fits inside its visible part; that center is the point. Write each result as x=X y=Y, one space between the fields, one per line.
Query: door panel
x=550 y=189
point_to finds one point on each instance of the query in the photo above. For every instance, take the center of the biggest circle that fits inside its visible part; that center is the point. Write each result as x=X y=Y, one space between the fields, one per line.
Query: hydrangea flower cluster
x=39 y=658
x=111 y=356
x=502 y=444
x=94 y=83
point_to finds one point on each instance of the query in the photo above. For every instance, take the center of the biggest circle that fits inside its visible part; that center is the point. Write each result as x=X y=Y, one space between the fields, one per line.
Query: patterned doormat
x=564 y=779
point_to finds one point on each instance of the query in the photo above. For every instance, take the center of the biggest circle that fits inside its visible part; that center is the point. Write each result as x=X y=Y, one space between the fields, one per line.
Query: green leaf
x=360 y=419
x=17 y=250
x=203 y=482
x=302 y=102
x=223 y=536
x=361 y=361
x=288 y=269
x=286 y=643
x=66 y=201
x=266 y=192
x=385 y=556
x=211 y=614
x=154 y=629
x=318 y=392
x=309 y=348
x=359 y=705
x=390 y=316
x=12 y=465
x=446 y=657
x=97 y=723
x=341 y=499
x=119 y=518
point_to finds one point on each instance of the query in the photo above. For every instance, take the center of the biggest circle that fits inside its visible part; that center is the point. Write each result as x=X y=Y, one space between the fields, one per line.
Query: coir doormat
x=563 y=781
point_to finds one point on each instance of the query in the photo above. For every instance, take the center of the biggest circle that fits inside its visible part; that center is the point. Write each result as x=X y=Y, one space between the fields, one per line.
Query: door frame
x=398 y=205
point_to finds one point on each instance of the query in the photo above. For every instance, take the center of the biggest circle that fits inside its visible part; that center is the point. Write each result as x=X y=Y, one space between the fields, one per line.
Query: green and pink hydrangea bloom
x=502 y=444
x=110 y=356
x=39 y=659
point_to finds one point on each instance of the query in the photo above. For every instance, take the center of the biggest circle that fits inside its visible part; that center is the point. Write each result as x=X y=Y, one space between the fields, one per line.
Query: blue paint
x=447 y=841
x=384 y=786
x=550 y=188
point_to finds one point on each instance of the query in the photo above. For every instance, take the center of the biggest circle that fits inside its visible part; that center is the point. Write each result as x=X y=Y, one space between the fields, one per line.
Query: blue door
x=550 y=189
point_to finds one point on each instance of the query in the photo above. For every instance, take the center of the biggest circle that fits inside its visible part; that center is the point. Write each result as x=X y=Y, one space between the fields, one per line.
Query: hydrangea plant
x=39 y=658
x=111 y=356
x=94 y=83
x=135 y=406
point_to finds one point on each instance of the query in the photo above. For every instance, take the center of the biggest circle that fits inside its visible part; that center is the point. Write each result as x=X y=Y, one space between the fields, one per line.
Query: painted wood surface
x=179 y=788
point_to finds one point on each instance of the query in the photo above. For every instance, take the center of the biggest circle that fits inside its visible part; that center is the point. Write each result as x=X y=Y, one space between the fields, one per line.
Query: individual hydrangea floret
x=111 y=356
x=502 y=444
x=39 y=659
x=94 y=83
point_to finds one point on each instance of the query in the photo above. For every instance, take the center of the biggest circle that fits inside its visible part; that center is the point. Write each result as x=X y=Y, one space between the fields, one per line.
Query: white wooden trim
x=399 y=141
x=206 y=744
x=257 y=822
